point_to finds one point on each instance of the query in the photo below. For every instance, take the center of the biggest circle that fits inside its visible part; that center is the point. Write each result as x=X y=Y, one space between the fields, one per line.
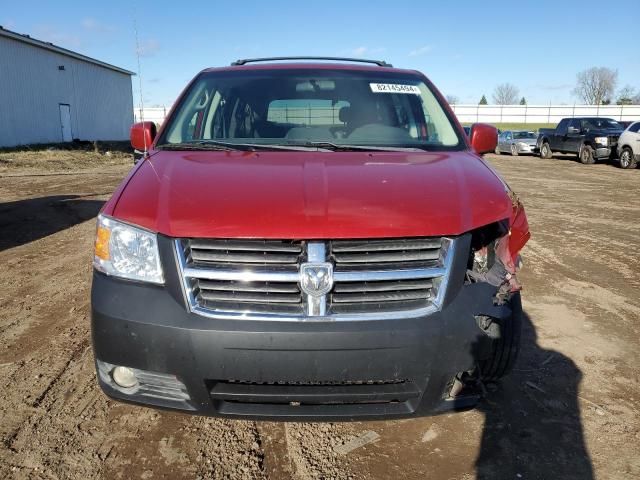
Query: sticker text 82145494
x=394 y=88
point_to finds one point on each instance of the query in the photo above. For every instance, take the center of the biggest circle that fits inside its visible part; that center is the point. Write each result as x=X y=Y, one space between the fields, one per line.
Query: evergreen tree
x=483 y=100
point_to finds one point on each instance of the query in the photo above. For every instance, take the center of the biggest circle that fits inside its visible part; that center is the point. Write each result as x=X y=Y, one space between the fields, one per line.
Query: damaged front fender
x=497 y=256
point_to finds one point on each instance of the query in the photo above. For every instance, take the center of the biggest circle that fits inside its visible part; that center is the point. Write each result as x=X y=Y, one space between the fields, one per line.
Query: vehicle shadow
x=24 y=221
x=532 y=418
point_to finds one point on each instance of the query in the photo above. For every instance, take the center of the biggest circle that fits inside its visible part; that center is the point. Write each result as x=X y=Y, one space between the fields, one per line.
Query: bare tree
x=596 y=85
x=628 y=96
x=505 y=94
x=452 y=99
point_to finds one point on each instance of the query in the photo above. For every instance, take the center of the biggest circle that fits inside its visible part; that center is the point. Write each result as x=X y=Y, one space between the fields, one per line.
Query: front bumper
x=603 y=153
x=313 y=370
x=524 y=148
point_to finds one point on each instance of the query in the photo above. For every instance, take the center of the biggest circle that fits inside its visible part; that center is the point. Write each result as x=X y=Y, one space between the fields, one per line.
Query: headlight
x=126 y=251
x=602 y=140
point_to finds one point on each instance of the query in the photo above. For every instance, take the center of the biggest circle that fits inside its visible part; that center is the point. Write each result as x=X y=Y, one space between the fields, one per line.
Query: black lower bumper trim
x=315 y=394
x=292 y=370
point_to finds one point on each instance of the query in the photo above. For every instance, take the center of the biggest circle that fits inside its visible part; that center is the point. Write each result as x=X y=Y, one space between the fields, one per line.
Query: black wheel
x=514 y=150
x=545 y=151
x=506 y=347
x=627 y=160
x=586 y=155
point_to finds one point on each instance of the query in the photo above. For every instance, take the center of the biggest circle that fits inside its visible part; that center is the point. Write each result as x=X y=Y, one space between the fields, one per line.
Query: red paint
x=484 y=138
x=142 y=135
x=319 y=195
x=519 y=227
x=312 y=194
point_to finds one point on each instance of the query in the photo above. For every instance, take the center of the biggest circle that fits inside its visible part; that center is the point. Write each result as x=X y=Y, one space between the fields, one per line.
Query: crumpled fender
x=508 y=247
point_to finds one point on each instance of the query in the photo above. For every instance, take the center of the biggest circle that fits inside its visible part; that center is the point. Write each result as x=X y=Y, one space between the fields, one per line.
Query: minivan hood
x=311 y=195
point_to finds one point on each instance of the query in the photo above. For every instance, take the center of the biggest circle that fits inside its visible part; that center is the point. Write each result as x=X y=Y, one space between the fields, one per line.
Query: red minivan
x=308 y=239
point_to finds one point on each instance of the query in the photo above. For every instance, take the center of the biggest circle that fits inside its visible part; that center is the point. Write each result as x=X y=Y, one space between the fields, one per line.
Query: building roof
x=62 y=51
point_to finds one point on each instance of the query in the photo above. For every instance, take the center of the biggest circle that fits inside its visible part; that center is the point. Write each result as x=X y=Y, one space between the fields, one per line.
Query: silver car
x=516 y=142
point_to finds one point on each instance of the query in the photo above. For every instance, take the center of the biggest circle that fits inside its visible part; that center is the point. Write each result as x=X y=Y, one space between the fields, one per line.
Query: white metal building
x=50 y=94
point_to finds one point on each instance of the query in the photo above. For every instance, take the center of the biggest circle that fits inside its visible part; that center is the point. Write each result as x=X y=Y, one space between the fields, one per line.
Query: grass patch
x=64 y=157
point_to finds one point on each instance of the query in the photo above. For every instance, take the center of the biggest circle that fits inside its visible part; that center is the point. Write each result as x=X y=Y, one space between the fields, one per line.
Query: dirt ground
x=570 y=410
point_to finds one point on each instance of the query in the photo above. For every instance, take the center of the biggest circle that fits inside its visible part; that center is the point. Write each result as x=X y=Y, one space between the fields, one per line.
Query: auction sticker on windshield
x=394 y=88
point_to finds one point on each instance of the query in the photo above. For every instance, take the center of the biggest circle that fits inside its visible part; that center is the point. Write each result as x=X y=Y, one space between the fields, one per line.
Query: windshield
x=524 y=135
x=600 y=124
x=326 y=108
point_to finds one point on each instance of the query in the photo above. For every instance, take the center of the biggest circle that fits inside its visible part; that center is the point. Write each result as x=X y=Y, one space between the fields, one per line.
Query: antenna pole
x=135 y=31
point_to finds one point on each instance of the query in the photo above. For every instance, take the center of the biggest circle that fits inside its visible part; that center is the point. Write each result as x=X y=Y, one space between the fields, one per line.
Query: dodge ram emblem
x=316 y=279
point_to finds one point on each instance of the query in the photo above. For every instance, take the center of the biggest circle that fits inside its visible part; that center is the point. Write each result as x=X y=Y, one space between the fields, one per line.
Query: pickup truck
x=590 y=138
x=308 y=240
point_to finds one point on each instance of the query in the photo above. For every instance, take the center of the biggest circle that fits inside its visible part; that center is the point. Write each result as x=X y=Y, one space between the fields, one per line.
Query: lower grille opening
x=314 y=393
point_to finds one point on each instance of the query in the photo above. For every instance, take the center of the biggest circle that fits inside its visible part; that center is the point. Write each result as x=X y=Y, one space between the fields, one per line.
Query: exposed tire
x=497 y=150
x=586 y=155
x=505 y=349
x=514 y=150
x=627 y=159
x=545 y=151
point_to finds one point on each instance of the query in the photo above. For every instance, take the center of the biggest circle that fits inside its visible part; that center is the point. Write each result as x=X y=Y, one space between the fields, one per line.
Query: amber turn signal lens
x=102 y=243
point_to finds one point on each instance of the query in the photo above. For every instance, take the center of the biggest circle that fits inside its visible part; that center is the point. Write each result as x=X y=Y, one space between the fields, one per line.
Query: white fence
x=492 y=113
x=541 y=113
x=151 y=114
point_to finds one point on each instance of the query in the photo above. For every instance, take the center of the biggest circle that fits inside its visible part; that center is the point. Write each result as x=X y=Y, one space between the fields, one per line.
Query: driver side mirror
x=484 y=138
x=142 y=135
x=573 y=130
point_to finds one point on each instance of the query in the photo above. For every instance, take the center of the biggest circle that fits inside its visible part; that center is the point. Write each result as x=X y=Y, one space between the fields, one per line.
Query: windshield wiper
x=230 y=146
x=197 y=146
x=337 y=147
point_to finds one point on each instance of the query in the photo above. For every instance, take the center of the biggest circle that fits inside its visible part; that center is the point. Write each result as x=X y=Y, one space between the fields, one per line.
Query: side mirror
x=142 y=135
x=573 y=130
x=484 y=138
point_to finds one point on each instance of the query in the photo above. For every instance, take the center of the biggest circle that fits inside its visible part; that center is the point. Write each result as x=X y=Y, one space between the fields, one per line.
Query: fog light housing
x=124 y=377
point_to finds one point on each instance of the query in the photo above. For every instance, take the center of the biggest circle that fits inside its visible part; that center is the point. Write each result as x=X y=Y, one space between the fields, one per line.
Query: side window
x=562 y=126
x=575 y=124
x=508 y=136
x=635 y=128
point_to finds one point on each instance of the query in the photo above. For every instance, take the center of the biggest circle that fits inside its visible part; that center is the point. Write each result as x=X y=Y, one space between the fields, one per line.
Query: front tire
x=627 y=159
x=505 y=348
x=586 y=155
x=545 y=151
x=514 y=150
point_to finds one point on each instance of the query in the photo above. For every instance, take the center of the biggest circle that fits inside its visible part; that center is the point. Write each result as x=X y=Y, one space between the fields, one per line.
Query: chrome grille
x=383 y=252
x=237 y=257
x=245 y=252
x=260 y=279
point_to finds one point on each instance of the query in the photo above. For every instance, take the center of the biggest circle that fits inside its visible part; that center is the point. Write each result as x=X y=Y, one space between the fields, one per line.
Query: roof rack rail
x=380 y=63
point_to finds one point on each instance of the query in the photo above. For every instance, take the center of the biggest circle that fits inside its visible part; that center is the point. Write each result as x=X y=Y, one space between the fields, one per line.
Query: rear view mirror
x=142 y=135
x=484 y=138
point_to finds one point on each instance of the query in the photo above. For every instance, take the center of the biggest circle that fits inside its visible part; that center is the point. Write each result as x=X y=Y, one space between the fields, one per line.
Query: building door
x=65 y=122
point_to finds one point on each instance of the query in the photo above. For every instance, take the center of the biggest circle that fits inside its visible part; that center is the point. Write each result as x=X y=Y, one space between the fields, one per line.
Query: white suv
x=629 y=146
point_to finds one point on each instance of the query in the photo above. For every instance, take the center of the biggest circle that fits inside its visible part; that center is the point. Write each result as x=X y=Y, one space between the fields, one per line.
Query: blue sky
x=465 y=47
